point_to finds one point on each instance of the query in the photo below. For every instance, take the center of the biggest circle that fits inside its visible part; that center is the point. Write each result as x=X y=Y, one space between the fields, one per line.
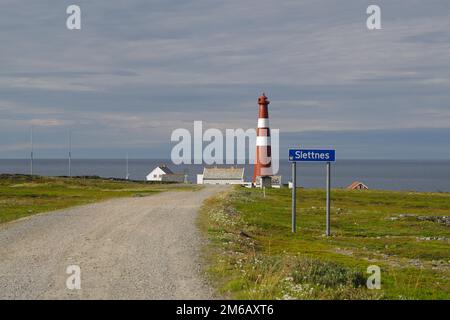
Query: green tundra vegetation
x=23 y=195
x=252 y=254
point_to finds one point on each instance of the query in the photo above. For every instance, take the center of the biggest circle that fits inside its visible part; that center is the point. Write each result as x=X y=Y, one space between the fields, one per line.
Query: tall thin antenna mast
x=128 y=174
x=70 y=154
x=32 y=150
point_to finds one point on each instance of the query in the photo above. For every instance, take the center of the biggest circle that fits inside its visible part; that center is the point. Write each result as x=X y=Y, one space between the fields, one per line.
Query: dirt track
x=134 y=248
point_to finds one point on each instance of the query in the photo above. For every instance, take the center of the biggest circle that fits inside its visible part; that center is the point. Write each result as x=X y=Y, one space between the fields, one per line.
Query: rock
x=407 y=215
x=432 y=238
x=243 y=234
x=438 y=219
x=415 y=262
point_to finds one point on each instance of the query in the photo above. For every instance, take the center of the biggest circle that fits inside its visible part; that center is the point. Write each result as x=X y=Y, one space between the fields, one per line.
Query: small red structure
x=357 y=186
x=263 y=161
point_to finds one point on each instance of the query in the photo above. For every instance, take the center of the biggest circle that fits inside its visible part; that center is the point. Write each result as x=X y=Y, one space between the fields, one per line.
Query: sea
x=410 y=175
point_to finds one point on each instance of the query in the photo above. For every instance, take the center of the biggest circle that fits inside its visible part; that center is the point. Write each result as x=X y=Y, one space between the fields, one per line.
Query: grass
x=22 y=195
x=252 y=254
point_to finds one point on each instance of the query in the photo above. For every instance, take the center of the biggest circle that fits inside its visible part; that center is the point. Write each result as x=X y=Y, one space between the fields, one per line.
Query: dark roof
x=356 y=184
x=165 y=169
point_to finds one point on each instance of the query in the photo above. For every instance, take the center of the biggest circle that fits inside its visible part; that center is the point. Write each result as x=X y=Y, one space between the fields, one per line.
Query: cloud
x=48 y=122
x=139 y=69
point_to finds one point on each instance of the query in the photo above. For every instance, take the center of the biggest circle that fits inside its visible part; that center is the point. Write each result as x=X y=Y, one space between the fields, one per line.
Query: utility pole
x=70 y=154
x=127 y=174
x=31 y=153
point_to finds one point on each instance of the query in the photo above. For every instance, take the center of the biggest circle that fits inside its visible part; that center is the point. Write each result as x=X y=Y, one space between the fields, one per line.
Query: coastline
x=400 y=175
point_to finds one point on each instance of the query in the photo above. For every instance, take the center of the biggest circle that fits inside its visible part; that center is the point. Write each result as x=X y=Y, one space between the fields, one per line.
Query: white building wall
x=155 y=175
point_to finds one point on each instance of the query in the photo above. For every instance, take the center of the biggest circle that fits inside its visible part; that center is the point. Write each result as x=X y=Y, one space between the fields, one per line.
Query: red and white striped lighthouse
x=263 y=162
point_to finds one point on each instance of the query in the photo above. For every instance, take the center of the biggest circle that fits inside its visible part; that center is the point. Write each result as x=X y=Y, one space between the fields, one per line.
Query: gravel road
x=133 y=248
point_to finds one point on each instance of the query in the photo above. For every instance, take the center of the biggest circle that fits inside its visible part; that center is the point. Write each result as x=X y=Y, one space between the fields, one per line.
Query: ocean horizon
x=406 y=175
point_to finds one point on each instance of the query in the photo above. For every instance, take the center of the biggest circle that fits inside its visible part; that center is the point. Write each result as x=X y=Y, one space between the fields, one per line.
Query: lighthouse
x=263 y=161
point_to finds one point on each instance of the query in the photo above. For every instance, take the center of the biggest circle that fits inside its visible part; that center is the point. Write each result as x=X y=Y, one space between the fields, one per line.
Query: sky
x=138 y=69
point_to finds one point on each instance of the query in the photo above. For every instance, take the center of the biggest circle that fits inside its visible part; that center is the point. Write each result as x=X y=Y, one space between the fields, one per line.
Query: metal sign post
x=294 y=197
x=302 y=155
x=266 y=182
x=328 y=233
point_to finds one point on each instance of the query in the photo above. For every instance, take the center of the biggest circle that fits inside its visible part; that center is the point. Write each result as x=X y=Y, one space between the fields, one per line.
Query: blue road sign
x=307 y=155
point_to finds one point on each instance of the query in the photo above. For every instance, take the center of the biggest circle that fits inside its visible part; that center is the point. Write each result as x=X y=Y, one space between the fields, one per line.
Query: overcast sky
x=139 y=69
